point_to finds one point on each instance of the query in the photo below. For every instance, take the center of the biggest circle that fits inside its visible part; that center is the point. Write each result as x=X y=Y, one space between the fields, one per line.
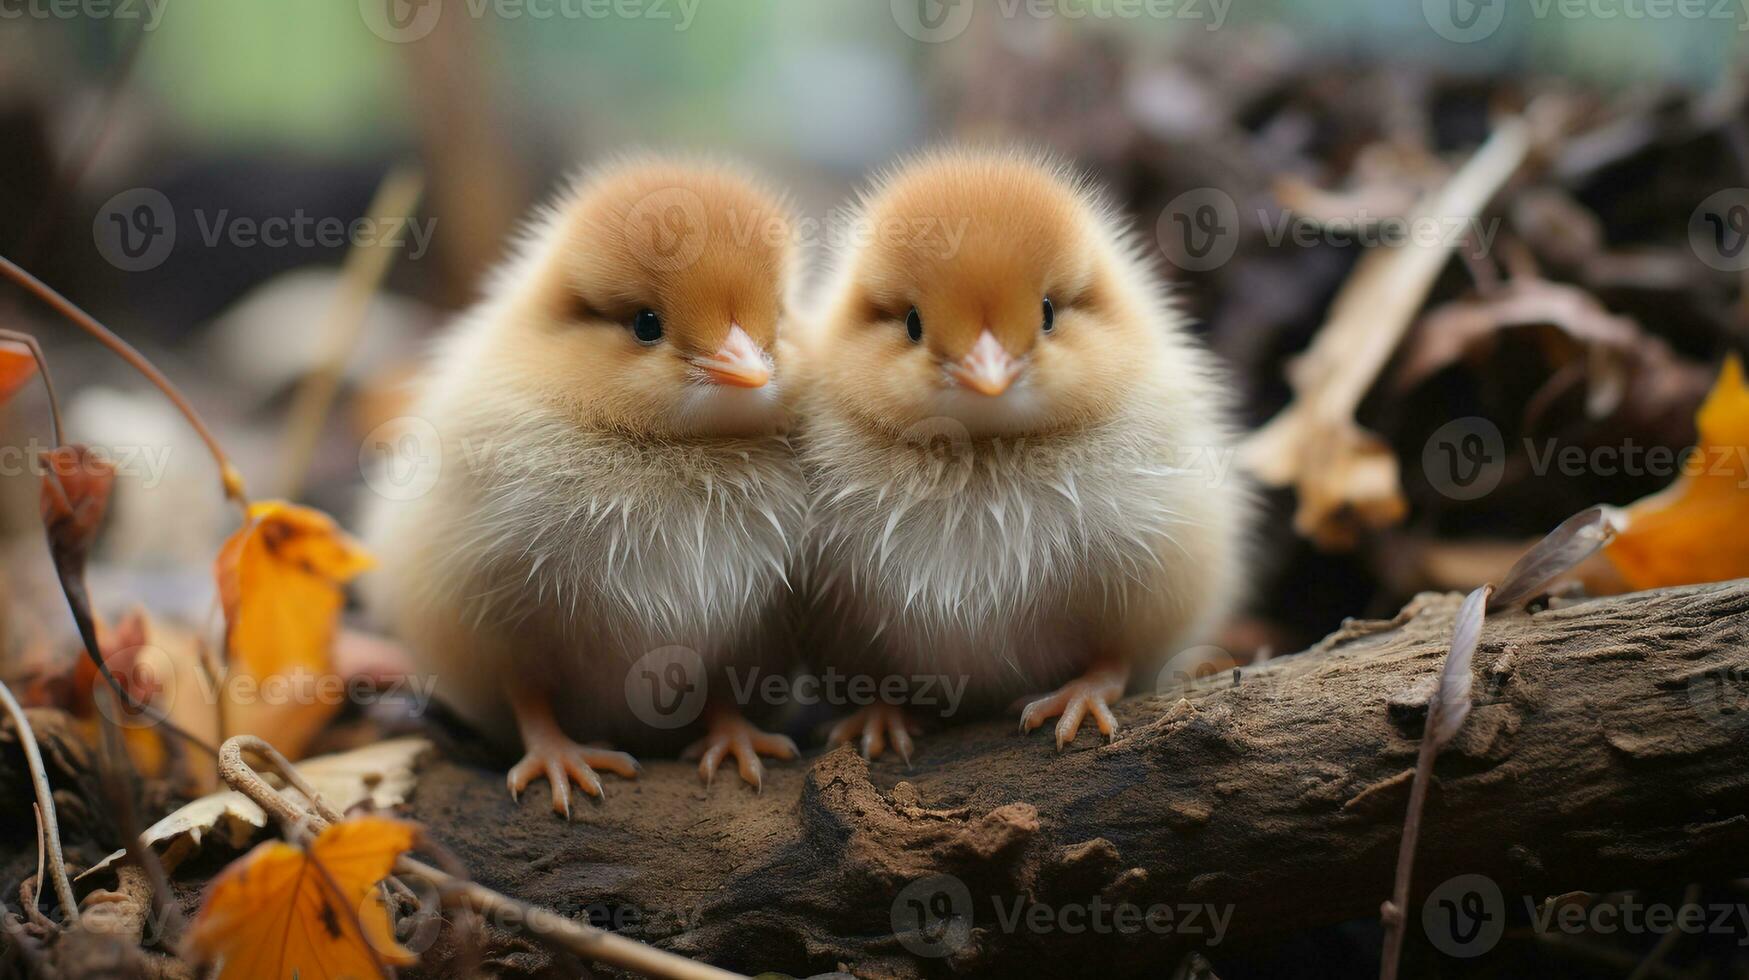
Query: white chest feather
x=631 y=545
x=950 y=550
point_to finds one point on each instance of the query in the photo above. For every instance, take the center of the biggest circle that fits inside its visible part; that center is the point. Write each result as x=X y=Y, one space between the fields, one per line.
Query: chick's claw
x=875 y=726
x=732 y=734
x=1091 y=693
x=563 y=762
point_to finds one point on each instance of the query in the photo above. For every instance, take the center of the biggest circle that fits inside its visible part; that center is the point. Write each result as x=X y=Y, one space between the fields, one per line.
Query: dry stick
x=544 y=924
x=45 y=799
x=1446 y=712
x=1314 y=443
x=362 y=275
x=228 y=474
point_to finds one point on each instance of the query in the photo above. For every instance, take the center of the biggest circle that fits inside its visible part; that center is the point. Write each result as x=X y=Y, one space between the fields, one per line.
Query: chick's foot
x=551 y=753
x=875 y=726
x=1091 y=693
x=731 y=734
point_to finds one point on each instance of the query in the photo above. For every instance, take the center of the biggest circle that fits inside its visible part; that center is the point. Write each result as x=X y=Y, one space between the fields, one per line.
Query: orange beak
x=739 y=363
x=987 y=368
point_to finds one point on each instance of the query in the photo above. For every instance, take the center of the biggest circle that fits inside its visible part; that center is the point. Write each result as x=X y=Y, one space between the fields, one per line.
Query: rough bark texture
x=1609 y=747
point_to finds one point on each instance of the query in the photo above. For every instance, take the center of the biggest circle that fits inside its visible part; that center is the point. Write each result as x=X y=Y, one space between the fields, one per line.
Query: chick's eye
x=914 y=325
x=1050 y=316
x=647 y=327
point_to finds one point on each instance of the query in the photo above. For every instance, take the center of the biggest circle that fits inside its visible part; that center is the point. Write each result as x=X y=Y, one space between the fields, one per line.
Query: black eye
x=1050 y=316
x=647 y=327
x=914 y=325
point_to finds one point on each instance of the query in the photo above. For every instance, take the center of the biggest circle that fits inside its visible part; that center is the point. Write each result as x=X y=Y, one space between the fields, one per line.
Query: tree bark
x=1608 y=748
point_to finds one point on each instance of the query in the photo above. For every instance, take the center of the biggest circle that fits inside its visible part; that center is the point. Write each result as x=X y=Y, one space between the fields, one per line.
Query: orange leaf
x=284 y=911
x=1695 y=529
x=280 y=578
x=17 y=366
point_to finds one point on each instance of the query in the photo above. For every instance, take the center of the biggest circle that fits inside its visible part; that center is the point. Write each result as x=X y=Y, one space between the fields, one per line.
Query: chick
x=1015 y=450
x=615 y=500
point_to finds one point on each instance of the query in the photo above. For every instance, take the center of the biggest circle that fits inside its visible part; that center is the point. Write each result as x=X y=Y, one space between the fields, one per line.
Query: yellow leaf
x=282 y=911
x=1697 y=529
x=280 y=579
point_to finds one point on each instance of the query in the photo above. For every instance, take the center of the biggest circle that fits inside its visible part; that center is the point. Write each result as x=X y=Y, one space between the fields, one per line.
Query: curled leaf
x=16 y=369
x=1576 y=539
x=1692 y=531
x=313 y=913
x=75 y=496
x=1451 y=702
x=280 y=581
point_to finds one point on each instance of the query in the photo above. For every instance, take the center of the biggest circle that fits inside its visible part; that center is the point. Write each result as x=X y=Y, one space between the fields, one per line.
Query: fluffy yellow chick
x=1016 y=452
x=616 y=500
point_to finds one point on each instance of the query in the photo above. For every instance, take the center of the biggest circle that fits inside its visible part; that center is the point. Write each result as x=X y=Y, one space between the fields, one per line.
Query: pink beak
x=739 y=363
x=987 y=368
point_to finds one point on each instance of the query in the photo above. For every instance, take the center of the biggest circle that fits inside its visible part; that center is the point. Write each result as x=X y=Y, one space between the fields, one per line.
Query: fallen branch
x=1602 y=753
x=1345 y=476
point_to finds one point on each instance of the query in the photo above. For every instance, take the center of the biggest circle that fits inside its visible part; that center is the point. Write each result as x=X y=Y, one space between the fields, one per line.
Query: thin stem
x=118 y=781
x=42 y=367
x=554 y=929
x=360 y=278
x=228 y=474
x=45 y=799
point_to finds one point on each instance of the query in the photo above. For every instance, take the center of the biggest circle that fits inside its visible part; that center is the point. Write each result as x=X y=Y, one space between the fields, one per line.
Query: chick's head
x=989 y=288
x=656 y=308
